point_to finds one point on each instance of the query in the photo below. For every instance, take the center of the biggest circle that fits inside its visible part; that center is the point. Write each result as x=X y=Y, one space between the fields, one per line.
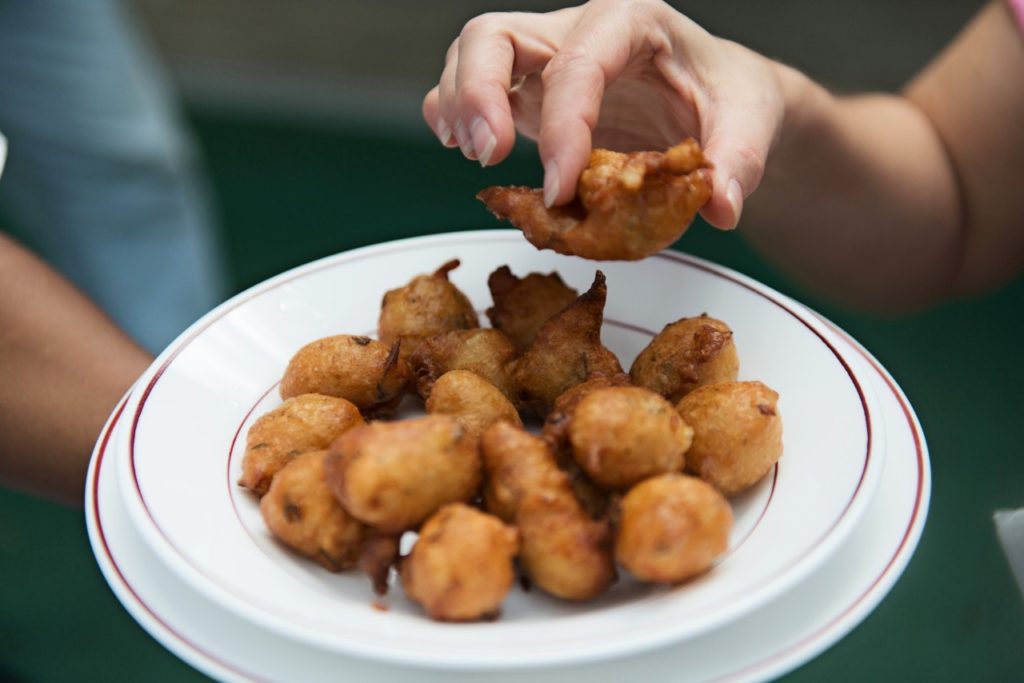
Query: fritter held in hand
x=672 y=528
x=472 y=400
x=627 y=206
x=303 y=513
x=484 y=351
x=364 y=371
x=737 y=433
x=566 y=350
x=522 y=305
x=623 y=435
x=685 y=355
x=303 y=423
x=461 y=566
x=427 y=305
x=393 y=475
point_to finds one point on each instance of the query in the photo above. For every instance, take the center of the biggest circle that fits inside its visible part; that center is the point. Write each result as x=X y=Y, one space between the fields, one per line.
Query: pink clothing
x=1017 y=7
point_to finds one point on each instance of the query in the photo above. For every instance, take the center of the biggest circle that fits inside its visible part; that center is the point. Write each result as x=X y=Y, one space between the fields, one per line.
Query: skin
x=65 y=366
x=916 y=183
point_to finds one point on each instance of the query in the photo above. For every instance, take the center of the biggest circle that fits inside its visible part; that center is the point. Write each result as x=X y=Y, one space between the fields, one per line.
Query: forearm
x=897 y=201
x=859 y=199
x=63 y=366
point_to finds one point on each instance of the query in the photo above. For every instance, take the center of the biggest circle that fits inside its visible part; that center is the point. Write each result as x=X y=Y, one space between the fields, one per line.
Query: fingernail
x=483 y=139
x=551 y=183
x=465 y=141
x=734 y=195
x=444 y=132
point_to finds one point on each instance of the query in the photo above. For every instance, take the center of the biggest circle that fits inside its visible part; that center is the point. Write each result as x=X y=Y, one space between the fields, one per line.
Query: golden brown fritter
x=556 y=424
x=685 y=355
x=522 y=305
x=427 y=305
x=566 y=350
x=563 y=550
x=461 y=567
x=737 y=433
x=393 y=475
x=303 y=423
x=627 y=206
x=364 y=371
x=302 y=512
x=484 y=351
x=556 y=432
x=672 y=528
x=472 y=400
x=623 y=435
x=516 y=462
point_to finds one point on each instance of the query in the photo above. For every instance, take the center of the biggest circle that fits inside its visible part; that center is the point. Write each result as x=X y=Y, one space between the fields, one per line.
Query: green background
x=288 y=194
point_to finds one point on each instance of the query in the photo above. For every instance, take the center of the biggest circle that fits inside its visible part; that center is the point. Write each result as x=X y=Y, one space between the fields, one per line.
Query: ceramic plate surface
x=768 y=642
x=185 y=427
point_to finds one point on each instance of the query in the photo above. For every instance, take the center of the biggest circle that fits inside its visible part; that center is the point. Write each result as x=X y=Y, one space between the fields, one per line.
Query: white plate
x=767 y=643
x=183 y=456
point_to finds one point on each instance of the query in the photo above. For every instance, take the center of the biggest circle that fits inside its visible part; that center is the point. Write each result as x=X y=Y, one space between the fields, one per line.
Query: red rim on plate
x=822 y=637
x=844 y=520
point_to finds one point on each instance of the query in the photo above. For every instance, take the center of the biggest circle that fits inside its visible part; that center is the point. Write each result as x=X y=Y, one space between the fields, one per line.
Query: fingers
x=471 y=106
x=593 y=54
x=432 y=115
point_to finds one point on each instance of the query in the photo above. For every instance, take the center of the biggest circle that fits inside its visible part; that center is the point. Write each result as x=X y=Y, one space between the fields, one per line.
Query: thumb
x=738 y=140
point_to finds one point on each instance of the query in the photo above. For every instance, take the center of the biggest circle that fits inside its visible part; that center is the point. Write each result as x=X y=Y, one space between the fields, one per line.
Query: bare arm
x=897 y=201
x=64 y=366
x=889 y=201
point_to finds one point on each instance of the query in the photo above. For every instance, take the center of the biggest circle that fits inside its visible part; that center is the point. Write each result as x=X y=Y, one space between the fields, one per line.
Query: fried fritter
x=516 y=462
x=566 y=350
x=672 y=528
x=563 y=550
x=302 y=423
x=627 y=206
x=472 y=400
x=427 y=305
x=623 y=435
x=556 y=424
x=485 y=351
x=737 y=433
x=364 y=371
x=522 y=305
x=461 y=566
x=393 y=475
x=556 y=432
x=687 y=354
x=303 y=513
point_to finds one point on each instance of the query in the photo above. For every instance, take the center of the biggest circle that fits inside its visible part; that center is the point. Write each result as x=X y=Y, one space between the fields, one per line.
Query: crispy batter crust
x=627 y=206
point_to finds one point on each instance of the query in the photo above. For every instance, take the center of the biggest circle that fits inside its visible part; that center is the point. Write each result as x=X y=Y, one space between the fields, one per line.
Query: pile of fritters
x=627 y=471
